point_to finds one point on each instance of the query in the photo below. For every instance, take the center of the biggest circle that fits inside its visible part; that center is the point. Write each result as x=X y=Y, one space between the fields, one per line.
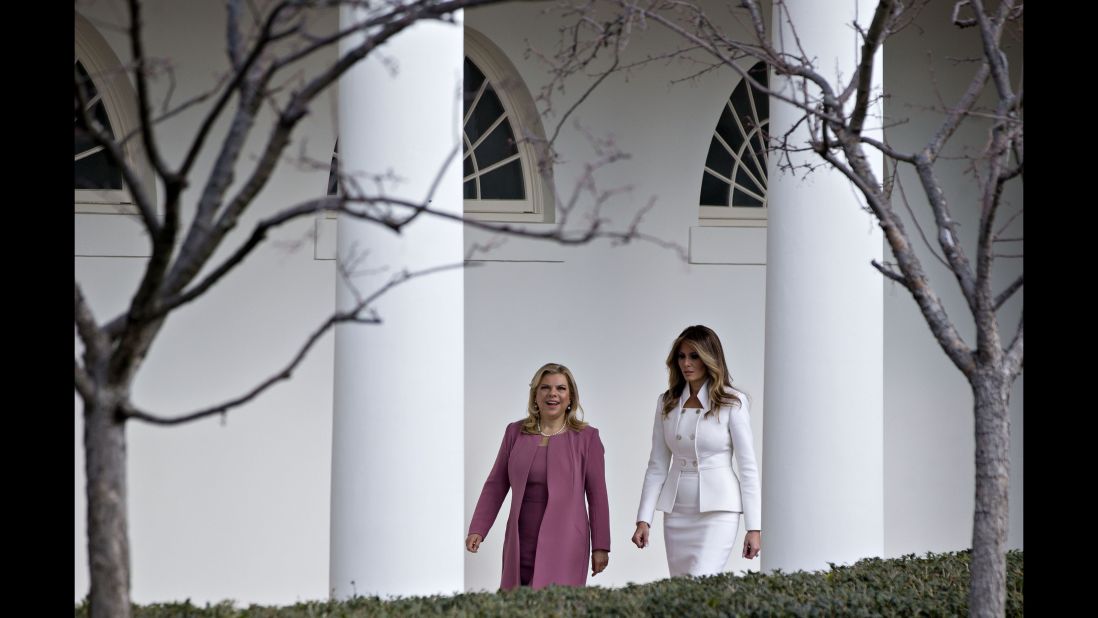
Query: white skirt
x=697 y=543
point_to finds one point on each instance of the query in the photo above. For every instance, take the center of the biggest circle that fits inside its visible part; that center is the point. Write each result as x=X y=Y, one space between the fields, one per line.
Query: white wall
x=929 y=444
x=235 y=509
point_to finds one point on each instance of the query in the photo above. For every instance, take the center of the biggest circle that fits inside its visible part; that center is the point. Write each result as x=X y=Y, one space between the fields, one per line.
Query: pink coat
x=566 y=535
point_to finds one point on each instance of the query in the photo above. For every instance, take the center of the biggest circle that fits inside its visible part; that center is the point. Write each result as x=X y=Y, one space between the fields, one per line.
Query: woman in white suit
x=701 y=424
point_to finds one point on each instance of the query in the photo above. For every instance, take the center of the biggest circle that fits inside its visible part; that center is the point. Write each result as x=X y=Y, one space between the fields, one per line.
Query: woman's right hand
x=640 y=537
x=472 y=542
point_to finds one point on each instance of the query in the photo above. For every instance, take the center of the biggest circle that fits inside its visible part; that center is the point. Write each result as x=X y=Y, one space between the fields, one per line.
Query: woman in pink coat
x=551 y=460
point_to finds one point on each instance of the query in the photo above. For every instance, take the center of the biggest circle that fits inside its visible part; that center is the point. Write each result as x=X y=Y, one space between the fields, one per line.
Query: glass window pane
x=471 y=189
x=762 y=101
x=714 y=191
x=473 y=78
x=760 y=153
x=739 y=198
x=742 y=106
x=729 y=132
x=744 y=200
x=503 y=183
x=486 y=112
x=100 y=115
x=499 y=145
x=98 y=170
x=333 y=171
x=718 y=159
x=469 y=168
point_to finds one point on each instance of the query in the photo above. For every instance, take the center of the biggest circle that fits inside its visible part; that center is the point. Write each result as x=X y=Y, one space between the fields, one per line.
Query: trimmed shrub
x=933 y=585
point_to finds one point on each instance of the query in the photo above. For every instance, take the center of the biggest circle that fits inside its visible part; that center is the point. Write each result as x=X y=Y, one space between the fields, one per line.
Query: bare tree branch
x=583 y=97
x=763 y=52
x=957 y=20
x=1014 y=350
x=990 y=32
x=395 y=222
x=234 y=85
x=915 y=280
x=152 y=151
x=885 y=14
x=202 y=240
x=434 y=186
x=129 y=411
x=998 y=153
x=95 y=347
x=197 y=245
x=424 y=9
x=1006 y=224
x=1010 y=174
x=887 y=150
x=947 y=229
x=915 y=221
x=957 y=114
x=1007 y=293
x=84 y=383
x=259 y=234
x=233 y=34
x=888 y=272
x=829 y=116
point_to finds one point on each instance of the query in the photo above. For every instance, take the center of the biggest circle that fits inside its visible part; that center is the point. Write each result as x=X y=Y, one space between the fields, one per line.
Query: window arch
x=502 y=139
x=734 y=180
x=97 y=182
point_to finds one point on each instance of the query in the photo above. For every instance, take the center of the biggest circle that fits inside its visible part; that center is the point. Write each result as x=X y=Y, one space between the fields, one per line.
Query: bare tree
x=182 y=268
x=835 y=113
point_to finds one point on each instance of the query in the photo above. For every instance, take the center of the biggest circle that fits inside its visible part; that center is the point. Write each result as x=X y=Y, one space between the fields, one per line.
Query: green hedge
x=933 y=585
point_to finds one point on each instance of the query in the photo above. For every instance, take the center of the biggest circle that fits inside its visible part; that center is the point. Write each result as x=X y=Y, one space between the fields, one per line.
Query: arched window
x=733 y=184
x=93 y=168
x=111 y=101
x=501 y=137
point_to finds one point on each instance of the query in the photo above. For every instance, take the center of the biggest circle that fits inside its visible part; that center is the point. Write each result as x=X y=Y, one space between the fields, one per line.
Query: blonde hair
x=708 y=347
x=572 y=421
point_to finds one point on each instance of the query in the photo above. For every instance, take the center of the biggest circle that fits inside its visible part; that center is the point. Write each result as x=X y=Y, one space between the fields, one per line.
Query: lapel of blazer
x=562 y=462
x=522 y=457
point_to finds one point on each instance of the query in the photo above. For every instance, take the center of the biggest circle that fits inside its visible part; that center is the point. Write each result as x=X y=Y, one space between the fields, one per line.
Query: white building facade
x=360 y=474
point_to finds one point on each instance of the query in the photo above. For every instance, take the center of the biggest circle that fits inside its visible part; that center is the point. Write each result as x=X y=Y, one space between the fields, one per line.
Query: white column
x=823 y=441
x=397 y=450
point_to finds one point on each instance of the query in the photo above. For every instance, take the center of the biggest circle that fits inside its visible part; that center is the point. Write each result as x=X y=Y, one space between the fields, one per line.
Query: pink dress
x=533 y=511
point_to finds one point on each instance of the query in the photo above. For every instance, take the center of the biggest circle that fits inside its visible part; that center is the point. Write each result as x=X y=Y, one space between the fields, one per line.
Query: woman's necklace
x=546 y=436
x=550 y=435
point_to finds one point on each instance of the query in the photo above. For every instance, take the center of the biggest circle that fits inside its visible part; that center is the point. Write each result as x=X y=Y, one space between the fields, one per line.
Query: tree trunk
x=108 y=535
x=987 y=593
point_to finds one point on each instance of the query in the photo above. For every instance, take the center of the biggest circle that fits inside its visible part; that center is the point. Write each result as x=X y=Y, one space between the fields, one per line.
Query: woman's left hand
x=752 y=544
x=599 y=559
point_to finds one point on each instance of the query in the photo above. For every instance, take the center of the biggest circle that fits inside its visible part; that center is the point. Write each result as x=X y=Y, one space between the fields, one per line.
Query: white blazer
x=688 y=440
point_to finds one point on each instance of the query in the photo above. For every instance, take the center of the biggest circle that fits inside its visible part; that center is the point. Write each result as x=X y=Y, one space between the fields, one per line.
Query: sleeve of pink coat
x=598 y=505
x=495 y=489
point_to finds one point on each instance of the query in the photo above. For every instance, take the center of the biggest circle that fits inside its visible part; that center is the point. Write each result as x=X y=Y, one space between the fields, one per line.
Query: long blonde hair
x=711 y=353
x=572 y=421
